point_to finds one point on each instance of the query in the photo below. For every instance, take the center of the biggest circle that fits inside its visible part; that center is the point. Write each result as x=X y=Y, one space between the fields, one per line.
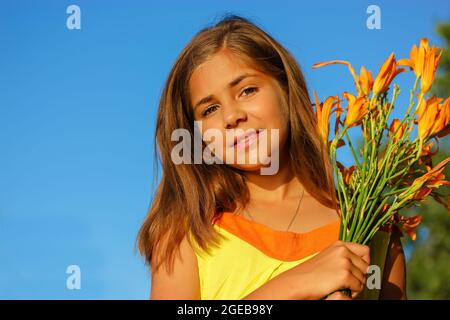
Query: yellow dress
x=252 y=253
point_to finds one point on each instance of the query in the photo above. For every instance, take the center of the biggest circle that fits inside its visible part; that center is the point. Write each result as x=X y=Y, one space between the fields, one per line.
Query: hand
x=342 y=265
x=338 y=295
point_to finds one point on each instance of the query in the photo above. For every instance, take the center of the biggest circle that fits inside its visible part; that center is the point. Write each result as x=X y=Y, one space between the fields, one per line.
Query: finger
x=358 y=274
x=338 y=295
x=352 y=282
x=359 y=263
x=355 y=294
x=360 y=250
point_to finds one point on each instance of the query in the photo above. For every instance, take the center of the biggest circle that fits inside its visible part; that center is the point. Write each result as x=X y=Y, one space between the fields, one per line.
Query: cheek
x=213 y=138
x=270 y=113
x=274 y=119
x=207 y=129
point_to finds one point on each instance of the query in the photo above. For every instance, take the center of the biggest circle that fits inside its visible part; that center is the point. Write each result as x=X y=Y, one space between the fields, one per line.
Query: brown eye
x=206 y=112
x=250 y=90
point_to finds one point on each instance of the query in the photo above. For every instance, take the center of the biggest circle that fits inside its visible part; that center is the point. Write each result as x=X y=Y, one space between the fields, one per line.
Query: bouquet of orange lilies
x=386 y=176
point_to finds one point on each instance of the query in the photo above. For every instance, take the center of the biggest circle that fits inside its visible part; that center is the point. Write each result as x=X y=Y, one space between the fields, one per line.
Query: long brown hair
x=190 y=196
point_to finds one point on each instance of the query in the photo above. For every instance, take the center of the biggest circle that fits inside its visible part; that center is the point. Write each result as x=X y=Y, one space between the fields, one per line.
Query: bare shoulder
x=179 y=282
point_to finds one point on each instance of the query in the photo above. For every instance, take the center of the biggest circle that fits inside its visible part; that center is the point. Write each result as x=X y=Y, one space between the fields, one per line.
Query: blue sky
x=77 y=113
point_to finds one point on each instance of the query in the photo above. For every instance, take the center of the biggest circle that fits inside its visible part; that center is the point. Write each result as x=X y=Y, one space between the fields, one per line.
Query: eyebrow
x=232 y=84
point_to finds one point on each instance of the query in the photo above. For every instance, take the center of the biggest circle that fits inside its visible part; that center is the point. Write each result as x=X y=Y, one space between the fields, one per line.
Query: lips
x=247 y=137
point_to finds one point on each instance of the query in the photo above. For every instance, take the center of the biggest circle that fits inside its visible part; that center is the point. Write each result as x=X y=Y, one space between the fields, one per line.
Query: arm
x=341 y=265
x=182 y=283
x=394 y=278
x=281 y=287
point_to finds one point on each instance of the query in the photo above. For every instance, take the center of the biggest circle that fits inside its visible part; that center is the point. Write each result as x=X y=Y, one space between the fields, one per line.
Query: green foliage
x=441 y=86
x=428 y=269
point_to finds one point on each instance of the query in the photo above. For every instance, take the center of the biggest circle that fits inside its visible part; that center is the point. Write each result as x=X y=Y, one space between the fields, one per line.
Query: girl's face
x=233 y=98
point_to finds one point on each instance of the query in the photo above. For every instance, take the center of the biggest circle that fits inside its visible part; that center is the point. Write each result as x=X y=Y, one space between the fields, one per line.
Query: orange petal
x=348 y=64
x=393 y=127
x=436 y=170
x=409 y=224
x=385 y=75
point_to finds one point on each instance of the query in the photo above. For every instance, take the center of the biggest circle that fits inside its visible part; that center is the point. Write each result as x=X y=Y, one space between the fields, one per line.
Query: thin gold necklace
x=293 y=218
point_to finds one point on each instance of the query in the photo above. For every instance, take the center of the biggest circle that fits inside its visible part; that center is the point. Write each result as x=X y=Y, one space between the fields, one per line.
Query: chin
x=255 y=166
x=247 y=167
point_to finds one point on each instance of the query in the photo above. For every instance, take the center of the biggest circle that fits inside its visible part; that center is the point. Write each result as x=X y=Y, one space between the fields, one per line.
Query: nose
x=232 y=115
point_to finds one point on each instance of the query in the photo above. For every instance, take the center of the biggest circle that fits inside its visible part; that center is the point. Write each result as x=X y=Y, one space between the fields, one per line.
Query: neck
x=281 y=186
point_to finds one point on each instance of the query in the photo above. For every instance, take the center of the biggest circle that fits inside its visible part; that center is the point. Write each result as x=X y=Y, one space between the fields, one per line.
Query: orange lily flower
x=346 y=172
x=323 y=112
x=386 y=74
x=408 y=224
x=426 y=154
x=402 y=224
x=433 y=116
x=429 y=68
x=422 y=193
x=393 y=127
x=426 y=150
x=356 y=110
x=433 y=178
x=416 y=57
x=423 y=61
x=424 y=105
x=443 y=117
x=363 y=82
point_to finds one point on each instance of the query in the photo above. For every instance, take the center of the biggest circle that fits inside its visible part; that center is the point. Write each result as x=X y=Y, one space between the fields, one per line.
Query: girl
x=223 y=230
